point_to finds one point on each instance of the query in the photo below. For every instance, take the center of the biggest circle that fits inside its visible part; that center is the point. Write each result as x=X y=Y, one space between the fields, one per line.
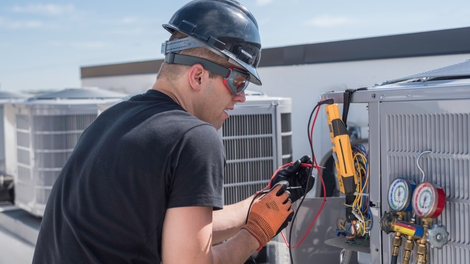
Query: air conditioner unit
x=258 y=139
x=40 y=134
x=6 y=181
x=6 y=97
x=429 y=111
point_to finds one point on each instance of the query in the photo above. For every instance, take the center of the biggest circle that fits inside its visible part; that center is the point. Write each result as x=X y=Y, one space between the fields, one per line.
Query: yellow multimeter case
x=342 y=152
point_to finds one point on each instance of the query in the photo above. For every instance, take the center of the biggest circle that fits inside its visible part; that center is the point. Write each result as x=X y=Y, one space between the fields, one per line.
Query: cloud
x=263 y=2
x=12 y=24
x=329 y=21
x=44 y=9
x=129 y=21
x=79 y=45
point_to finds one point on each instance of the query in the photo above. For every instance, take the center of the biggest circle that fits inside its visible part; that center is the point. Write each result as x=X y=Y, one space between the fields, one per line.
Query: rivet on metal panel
x=373 y=95
x=382 y=97
x=408 y=95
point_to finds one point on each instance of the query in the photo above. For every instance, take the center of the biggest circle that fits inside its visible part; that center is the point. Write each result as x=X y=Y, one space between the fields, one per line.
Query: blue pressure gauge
x=400 y=193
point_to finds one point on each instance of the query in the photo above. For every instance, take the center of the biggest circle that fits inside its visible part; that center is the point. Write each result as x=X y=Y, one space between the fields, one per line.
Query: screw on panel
x=373 y=95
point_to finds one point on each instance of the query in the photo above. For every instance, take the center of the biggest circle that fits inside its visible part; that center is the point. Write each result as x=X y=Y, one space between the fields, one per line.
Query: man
x=144 y=183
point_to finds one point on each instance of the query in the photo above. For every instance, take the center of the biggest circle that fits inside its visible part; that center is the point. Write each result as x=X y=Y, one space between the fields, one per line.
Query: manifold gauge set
x=426 y=201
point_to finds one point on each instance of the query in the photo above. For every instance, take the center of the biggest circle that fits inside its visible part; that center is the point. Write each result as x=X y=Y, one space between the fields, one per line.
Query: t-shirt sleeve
x=197 y=165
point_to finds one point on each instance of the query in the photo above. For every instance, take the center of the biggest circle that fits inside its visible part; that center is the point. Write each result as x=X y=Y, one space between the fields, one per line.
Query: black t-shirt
x=137 y=159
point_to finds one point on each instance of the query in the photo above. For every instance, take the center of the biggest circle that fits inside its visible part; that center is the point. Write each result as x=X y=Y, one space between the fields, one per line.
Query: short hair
x=173 y=71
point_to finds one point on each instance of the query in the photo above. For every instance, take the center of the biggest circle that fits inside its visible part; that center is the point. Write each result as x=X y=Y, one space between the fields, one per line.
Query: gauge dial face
x=425 y=200
x=399 y=194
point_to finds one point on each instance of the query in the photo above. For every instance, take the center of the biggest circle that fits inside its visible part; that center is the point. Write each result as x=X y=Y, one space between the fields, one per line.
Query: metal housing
x=428 y=111
x=42 y=133
x=6 y=97
x=257 y=139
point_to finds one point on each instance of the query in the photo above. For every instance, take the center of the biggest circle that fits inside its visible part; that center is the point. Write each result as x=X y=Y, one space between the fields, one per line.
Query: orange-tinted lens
x=239 y=81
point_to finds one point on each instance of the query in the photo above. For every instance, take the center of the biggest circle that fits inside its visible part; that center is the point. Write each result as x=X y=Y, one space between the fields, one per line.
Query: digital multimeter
x=342 y=152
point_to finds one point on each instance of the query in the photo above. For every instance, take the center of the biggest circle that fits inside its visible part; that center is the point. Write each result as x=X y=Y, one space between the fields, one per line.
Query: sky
x=43 y=44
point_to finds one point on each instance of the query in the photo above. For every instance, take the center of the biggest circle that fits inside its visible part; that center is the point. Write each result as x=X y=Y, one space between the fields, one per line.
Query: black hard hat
x=225 y=27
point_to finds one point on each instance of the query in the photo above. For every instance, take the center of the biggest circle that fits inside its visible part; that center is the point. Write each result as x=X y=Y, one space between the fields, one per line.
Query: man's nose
x=240 y=97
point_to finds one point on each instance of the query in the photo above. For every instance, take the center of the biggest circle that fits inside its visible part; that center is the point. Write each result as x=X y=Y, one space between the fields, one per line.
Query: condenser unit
x=6 y=97
x=6 y=181
x=40 y=134
x=258 y=139
x=429 y=111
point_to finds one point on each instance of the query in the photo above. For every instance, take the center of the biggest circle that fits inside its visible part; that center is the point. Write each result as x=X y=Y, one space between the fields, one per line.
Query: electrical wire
x=251 y=204
x=362 y=168
x=354 y=232
x=309 y=134
x=360 y=206
x=315 y=165
x=362 y=243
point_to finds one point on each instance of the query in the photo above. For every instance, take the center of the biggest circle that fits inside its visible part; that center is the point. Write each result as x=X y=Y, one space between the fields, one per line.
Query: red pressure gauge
x=428 y=200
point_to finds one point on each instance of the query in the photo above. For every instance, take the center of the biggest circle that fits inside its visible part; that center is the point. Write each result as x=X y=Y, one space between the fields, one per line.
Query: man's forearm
x=227 y=222
x=236 y=250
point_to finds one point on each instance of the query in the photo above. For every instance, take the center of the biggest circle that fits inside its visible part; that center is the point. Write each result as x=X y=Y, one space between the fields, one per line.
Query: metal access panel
x=406 y=119
x=257 y=139
x=443 y=127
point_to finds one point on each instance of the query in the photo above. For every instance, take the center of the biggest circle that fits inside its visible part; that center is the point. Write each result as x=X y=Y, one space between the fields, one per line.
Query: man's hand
x=296 y=175
x=270 y=213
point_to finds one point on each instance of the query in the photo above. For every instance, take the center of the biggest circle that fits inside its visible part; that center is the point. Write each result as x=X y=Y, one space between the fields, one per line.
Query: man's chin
x=218 y=123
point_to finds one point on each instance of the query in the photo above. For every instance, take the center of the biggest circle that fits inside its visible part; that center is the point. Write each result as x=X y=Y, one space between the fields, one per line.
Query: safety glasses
x=236 y=80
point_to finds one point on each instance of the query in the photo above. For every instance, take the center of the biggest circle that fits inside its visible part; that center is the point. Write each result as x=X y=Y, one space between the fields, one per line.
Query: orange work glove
x=270 y=213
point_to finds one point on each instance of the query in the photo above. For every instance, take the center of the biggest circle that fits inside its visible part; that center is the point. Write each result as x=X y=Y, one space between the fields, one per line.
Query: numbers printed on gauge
x=428 y=200
x=425 y=199
x=399 y=194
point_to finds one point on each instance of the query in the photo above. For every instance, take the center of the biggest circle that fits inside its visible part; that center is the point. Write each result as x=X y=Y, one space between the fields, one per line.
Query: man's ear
x=196 y=77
